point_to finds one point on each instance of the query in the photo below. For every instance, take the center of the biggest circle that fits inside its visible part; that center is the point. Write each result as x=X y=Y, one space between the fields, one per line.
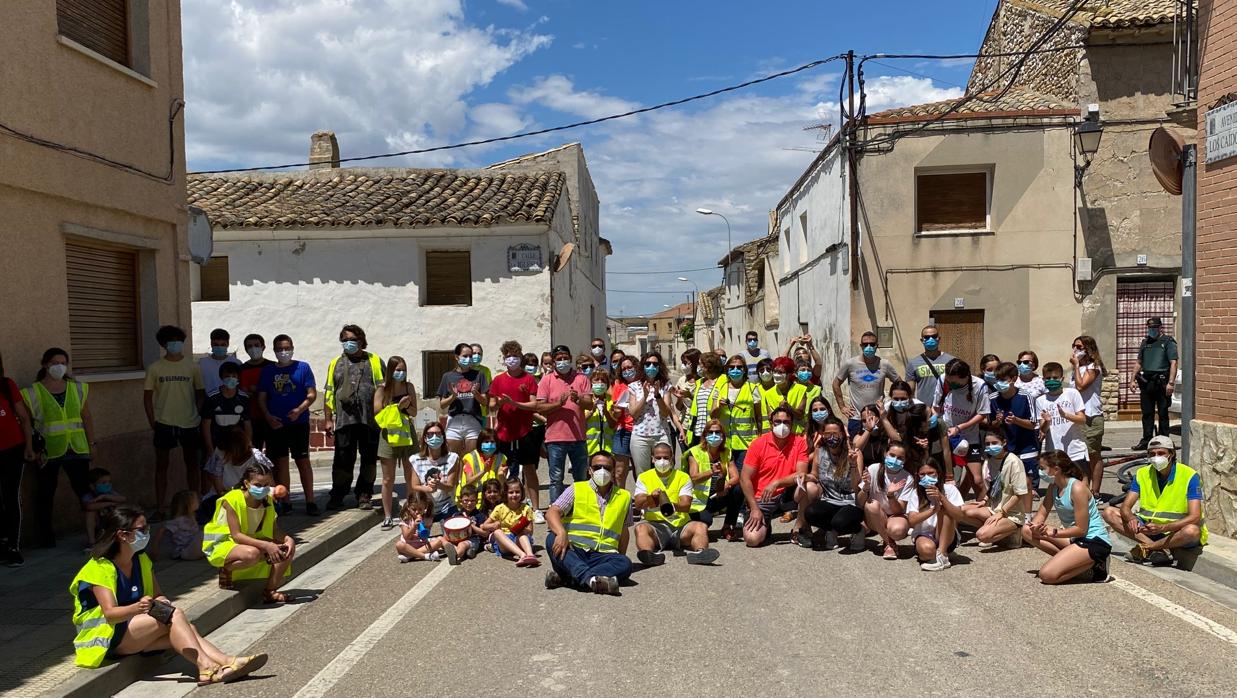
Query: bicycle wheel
x=1125 y=474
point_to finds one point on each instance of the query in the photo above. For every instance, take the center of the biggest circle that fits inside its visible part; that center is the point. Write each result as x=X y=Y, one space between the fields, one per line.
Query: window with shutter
x=951 y=201
x=433 y=365
x=104 y=317
x=448 y=279
x=215 y=279
x=100 y=25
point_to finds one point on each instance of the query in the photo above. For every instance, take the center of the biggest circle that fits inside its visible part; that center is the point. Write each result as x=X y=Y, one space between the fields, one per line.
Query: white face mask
x=601 y=477
x=57 y=371
x=662 y=465
x=255 y=353
x=781 y=431
x=598 y=351
x=1160 y=462
x=284 y=356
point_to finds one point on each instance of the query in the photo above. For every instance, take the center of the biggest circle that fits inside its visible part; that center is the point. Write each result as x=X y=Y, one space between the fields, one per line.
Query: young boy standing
x=1062 y=414
x=172 y=398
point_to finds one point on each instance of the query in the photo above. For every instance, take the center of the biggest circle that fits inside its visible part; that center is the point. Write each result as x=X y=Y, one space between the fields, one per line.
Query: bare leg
x=456 y=446
x=306 y=471
x=925 y=549
x=1072 y=561
x=193 y=469
x=998 y=530
x=810 y=493
x=145 y=633
x=508 y=546
x=695 y=536
x=388 y=485
x=532 y=485
x=404 y=548
x=526 y=545
x=162 y=458
x=282 y=475
x=1097 y=473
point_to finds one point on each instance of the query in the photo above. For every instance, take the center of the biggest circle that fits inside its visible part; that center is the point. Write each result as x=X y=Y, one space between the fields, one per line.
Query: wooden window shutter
x=448 y=278
x=215 y=279
x=100 y=25
x=433 y=365
x=104 y=317
x=951 y=201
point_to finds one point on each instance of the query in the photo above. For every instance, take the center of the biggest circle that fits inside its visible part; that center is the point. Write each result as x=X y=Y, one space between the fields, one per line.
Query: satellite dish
x=563 y=255
x=1164 y=149
x=201 y=237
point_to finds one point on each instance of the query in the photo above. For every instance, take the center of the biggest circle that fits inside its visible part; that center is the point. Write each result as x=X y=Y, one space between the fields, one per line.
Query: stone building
x=750 y=299
x=1213 y=448
x=93 y=222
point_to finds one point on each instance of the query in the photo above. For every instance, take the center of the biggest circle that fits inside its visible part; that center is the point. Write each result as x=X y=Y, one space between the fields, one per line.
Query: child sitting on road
x=514 y=532
x=491 y=496
x=414 y=541
x=476 y=517
x=180 y=538
x=100 y=497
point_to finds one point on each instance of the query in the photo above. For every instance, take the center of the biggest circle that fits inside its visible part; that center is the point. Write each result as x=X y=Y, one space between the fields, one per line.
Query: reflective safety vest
x=217 y=537
x=61 y=427
x=652 y=483
x=396 y=425
x=1170 y=504
x=94 y=632
x=598 y=433
x=474 y=463
x=586 y=527
x=740 y=419
x=771 y=399
x=375 y=367
x=700 y=490
x=711 y=400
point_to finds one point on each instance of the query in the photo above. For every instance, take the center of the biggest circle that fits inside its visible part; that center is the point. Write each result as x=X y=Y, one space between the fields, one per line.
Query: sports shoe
x=538 y=517
x=311 y=509
x=403 y=558
x=453 y=555
x=741 y=520
x=604 y=585
x=552 y=580
x=702 y=557
x=942 y=563
x=802 y=539
x=364 y=503
x=650 y=558
x=858 y=543
x=1137 y=555
x=831 y=540
x=388 y=523
x=435 y=556
x=1159 y=558
x=13 y=558
x=985 y=546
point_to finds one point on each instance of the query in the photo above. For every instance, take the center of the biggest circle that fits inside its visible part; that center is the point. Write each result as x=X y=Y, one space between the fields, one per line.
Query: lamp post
x=729 y=245
x=1087 y=137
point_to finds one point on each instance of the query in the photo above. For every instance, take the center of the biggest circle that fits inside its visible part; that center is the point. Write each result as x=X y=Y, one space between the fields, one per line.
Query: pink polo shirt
x=567 y=422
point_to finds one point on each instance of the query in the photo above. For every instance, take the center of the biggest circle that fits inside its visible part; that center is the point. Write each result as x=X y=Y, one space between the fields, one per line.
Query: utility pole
x=849 y=141
x=1185 y=345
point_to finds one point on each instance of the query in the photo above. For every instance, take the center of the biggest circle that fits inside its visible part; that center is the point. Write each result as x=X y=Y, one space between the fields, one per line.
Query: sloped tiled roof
x=1017 y=101
x=710 y=303
x=1112 y=14
x=753 y=253
x=386 y=197
x=678 y=311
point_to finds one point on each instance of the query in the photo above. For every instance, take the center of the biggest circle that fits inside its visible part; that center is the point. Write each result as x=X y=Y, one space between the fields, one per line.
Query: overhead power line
x=684 y=292
x=543 y=131
x=664 y=271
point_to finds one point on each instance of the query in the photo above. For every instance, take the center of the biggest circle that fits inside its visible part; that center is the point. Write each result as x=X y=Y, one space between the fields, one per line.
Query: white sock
x=590 y=582
x=403 y=558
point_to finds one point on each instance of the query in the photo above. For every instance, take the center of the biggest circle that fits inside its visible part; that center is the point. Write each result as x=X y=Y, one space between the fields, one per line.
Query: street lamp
x=695 y=295
x=729 y=246
x=1087 y=137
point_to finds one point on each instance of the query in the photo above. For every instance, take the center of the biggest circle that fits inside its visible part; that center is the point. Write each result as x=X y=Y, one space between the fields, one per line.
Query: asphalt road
x=774 y=620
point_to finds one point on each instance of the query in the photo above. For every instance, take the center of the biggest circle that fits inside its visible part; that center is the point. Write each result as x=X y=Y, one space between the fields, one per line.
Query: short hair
x=530 y=359
x=785 y=364
x=781 y=409
x=229 y=368
x=356 y=330
x=750 y=334
x=169 y=333
x=511 y=347
x=282 y=338
x=477 y=348
x=459 y=348
x=867 y=334
x=468 y=491
x=252 y=336
x=691 y=355
x=1053 y=367
x=220 y=334
x=603 y=453
x=1007 y=370
x=598 y=339
x=1033 y=355
x=601 y=374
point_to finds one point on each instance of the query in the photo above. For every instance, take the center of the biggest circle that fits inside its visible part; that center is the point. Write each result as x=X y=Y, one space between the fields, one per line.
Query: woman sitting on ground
x=1080 y=545
x=119 y=609
x=831 y=485
x=1001 y=516
x=880 y=495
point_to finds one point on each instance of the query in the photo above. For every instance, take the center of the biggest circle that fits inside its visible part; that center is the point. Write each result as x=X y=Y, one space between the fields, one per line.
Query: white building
x=421 y=259
x=813 y=267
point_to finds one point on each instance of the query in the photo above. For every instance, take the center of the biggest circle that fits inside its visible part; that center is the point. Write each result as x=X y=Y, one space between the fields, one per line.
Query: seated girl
x=1080 y=545
x=934 y=507
x=881 y=497
x=242 y=539
x=514 y=532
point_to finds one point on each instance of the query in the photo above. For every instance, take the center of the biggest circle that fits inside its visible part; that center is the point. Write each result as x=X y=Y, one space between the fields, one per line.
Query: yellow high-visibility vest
x=94 y=632
x=62 y=427
x=585 y=525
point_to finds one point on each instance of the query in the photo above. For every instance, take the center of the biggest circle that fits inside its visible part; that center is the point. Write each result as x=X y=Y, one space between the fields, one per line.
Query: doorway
x=1138 y=300
x=962 y=334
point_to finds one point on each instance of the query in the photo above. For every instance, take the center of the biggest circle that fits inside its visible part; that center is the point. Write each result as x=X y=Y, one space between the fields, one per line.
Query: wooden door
x=962 y=334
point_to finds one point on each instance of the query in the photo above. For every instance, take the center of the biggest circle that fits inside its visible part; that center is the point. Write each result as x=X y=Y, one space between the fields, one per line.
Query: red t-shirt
x=513 y=422
x=251 y=378
x=10 y=429
x=769 y=463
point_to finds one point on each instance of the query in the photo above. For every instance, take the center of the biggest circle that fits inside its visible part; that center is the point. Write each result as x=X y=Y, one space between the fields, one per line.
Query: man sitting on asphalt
x=1169 y=523
x=665 y=494
x=587 y=542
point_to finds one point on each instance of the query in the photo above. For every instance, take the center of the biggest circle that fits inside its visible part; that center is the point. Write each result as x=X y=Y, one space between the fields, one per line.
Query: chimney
x=323 y=151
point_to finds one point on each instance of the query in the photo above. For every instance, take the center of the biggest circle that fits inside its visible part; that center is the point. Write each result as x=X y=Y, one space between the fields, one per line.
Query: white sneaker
x=985 y=546
x=538 y=517
x=435 y=556
x=942 y=563
x=404 y=558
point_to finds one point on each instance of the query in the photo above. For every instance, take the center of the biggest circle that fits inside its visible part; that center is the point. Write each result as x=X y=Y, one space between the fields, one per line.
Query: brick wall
x=1216 y=284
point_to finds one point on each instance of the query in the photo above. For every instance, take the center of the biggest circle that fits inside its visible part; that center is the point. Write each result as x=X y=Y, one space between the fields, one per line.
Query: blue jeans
x=557 y=453
x=577 y=566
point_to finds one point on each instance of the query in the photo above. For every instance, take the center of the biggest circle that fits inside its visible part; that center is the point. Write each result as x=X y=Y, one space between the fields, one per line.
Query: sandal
x=787 y=517
x=225 y=579
x=274 y=596
x=238 y=668
x=207 y=676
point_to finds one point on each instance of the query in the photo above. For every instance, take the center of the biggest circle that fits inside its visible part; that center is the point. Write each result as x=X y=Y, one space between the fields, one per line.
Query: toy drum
x=456 y=529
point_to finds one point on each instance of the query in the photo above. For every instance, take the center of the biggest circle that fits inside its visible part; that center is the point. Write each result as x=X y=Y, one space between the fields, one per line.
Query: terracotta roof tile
x=1017 y=101
x=359 y=197
x=1113 y=14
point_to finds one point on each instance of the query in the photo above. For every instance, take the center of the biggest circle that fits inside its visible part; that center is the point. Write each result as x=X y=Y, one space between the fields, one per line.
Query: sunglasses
x=929 y=336
x=781 y=421
x=867 y=344
x=652 y=364
x=609 y=468
x=714 y=432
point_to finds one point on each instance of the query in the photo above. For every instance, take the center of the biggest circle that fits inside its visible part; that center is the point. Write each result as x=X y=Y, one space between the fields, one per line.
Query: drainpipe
x=1185 y=345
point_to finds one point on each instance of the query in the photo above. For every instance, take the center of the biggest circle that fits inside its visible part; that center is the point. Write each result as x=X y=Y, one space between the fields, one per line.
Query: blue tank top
x=1064 y=505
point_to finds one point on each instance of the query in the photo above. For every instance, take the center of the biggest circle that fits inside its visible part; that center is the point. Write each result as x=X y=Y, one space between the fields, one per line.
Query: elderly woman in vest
x=242 y=540
x=60 y=414
x=119 y=609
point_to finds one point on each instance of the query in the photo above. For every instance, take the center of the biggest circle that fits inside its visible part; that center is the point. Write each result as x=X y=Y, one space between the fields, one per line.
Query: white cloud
x=888 y=91
x=558 y=93
x=261 y=75
x=517 y=4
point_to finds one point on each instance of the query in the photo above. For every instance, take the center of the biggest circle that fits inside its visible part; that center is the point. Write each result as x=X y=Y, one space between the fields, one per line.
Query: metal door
x=1137 y=301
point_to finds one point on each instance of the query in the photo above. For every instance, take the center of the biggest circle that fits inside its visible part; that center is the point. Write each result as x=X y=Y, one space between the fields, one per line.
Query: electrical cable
x=620 y=290
x=543 y=131
x=666 y=271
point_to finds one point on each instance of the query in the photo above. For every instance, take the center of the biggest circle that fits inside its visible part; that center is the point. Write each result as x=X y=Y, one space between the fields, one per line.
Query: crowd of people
x=915 y=456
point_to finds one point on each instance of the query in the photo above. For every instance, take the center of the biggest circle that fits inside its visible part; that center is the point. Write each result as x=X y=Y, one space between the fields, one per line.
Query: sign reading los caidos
x=1222 y=132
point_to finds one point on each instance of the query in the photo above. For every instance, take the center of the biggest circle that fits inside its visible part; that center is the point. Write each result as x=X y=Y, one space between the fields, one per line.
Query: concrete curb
x=1213 y=567
x=208 y=615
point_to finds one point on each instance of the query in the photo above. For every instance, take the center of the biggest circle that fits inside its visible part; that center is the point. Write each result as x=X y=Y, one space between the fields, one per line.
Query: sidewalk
x=36 y=637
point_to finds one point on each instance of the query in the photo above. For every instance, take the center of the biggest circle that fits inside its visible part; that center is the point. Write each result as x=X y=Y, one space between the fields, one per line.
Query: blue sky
x=261 y=75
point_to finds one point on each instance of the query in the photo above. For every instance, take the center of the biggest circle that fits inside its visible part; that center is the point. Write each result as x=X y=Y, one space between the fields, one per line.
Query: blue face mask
x=629 y=374
x=1002 y=386
x=994 y=450
x=476 y=359
x=464 y=363
x=231 y=382
x=900 y=405
x=175 y=346
x=927 y=481
x=351 y=346
x=713 y=438
x=587 y=370
x=1024 y=369
x=892 y=463
x=562 y=366
x=753 y=344
x=803 y=376
x=989 y=376
x=736 y=373
x=489 y=448
x=399 y=375
x=931 y=343
x=259 y=492
x=140 y=539
x=869 y=352
x=932 y=419
x=103 y=488
x=433 y=440
x=530 y=369
x=652 y=371
x=819 y=416
x=1153 y=334
x=218 y=352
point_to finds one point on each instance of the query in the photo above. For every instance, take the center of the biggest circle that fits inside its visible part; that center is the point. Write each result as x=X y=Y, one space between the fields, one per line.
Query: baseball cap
x=562 y=348
x=1154 y=322
x=1161 y=442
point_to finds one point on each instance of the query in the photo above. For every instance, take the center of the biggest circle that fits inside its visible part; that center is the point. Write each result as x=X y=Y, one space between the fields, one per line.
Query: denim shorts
x=621 y=443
